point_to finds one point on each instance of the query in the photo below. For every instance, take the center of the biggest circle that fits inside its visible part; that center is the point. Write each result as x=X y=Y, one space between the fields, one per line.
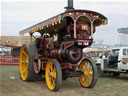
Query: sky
x=18 y=15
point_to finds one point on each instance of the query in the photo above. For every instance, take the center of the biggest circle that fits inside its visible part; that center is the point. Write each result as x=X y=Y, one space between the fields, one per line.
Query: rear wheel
x=53 y=75
x=89 y=77
x=27 y=55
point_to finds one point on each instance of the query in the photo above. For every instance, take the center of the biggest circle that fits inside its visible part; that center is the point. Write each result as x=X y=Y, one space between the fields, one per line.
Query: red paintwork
x=68 y=44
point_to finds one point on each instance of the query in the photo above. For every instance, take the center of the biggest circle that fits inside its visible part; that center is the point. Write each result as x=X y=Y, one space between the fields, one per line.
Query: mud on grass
x=106 y=86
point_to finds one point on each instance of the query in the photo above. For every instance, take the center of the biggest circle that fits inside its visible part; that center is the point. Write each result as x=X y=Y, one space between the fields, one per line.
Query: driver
x=69 y=32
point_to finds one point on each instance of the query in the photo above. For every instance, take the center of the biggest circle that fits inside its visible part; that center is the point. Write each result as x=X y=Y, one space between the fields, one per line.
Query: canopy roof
x=74 y=14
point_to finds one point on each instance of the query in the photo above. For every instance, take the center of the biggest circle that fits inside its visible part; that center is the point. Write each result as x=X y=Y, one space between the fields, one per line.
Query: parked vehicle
x=116 y=62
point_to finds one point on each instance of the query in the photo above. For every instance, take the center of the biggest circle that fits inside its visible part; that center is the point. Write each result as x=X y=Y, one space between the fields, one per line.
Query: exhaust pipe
x=70 y=5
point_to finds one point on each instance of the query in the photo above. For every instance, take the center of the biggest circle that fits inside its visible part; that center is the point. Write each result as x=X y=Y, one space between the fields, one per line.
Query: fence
x=9 y=60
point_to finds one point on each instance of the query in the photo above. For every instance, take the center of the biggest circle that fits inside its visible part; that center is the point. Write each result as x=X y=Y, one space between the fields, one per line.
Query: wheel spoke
x=86 y=80
x=23 y=62
x=53 y=82
x=25 y=53
x=86 y=66
x=51 y=69
x=54 y=74
x=90 y=78
x=90 y=68
x=82 y=69
x=83 y=78
x=25 y=70
x=50 y=78
x=91 y=73
x=27 y=59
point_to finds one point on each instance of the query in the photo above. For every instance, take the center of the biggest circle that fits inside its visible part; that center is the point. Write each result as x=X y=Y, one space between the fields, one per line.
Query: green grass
x=106 y=86
x=8 y=70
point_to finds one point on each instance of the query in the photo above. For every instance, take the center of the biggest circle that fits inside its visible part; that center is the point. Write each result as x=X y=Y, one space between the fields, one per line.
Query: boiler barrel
x=72 y=55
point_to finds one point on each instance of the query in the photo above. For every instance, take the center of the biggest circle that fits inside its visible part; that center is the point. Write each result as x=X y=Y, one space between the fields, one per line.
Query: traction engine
x=58 y=52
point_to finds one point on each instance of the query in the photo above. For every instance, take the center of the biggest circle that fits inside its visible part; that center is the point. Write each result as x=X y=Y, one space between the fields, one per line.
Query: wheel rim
x=51 y=75
x=24 y=63
x=87 y=77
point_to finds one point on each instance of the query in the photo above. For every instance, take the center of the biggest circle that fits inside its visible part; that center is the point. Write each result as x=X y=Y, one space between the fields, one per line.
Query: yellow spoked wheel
x=89 y=77
x=53 y=75
x=27 y=54
x=24 y=63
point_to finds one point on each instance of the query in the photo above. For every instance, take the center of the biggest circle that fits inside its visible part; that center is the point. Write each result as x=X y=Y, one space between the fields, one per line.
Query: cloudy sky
x=18 y=15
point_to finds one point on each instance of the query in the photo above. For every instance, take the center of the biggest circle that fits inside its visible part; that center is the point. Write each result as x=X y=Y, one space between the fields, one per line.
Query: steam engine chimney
x=70 y=5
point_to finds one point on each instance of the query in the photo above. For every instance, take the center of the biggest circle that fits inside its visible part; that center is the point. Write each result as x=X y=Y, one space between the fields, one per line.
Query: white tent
x=3 y=50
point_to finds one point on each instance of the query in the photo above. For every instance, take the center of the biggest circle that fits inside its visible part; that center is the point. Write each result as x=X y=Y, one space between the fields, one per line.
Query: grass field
x=106 y=86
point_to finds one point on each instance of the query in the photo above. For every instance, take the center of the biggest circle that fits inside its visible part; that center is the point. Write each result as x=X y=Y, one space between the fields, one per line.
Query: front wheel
x=89 y=77
x=53 y=75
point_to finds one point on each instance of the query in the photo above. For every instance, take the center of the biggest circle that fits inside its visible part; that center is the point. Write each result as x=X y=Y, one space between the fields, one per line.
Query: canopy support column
x=91 y=30
x=74 y=28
